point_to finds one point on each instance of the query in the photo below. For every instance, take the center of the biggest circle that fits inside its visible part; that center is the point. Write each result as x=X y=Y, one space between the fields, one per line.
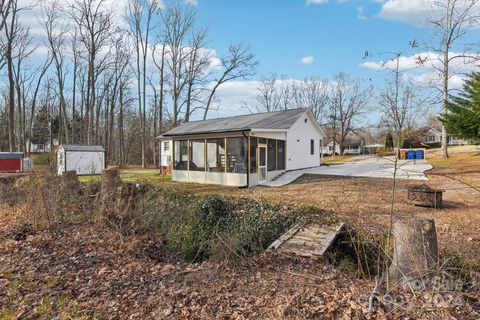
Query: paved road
x=371 y=167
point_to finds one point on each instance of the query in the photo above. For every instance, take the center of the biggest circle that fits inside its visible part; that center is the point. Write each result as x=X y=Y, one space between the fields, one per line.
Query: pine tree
x=463 y=118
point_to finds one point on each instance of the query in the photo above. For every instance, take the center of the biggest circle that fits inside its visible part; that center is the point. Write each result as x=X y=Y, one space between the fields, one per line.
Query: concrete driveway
x=371 y=167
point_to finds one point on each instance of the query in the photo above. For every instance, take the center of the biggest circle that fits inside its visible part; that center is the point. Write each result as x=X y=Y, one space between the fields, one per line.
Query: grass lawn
x=133 y=176
x=338 y=159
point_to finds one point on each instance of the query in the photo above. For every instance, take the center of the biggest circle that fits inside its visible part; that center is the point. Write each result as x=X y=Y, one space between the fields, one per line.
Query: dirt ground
x=82 y=271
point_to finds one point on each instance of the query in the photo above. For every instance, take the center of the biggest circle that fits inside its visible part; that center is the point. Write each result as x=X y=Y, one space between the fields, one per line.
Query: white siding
x=298 y=144
x=166 y=153
x=84 y=162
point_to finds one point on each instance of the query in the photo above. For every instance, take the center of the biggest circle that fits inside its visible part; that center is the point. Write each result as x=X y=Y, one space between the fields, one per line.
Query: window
x=197 y=155
x=330 y=148
x=280 y=155
x=181 y=155
x=253 y=155
x=237 y=149
x=272 y=155
x=216 y=155
x=166 y=146
x=312 y=147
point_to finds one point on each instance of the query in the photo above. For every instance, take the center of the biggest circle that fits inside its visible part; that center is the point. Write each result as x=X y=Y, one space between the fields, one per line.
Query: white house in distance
x=434 y=136
x=328 y=149
x=245 y=150
x=84 y=159
x=39 y=146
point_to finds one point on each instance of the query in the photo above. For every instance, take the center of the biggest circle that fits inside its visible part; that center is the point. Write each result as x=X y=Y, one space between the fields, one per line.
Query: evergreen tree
x=389 y=141
x=463 y=118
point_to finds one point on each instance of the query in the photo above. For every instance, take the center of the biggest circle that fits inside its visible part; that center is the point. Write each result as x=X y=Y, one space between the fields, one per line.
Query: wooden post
x=415 y=249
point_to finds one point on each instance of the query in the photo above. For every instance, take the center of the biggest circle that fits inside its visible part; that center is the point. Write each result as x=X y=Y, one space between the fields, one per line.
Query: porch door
x=262 y=163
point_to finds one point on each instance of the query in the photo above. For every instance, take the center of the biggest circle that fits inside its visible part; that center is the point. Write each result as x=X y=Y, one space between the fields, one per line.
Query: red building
x=11 y=161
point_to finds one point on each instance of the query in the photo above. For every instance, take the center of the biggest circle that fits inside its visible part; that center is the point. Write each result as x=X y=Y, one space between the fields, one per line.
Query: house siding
x=298 y=144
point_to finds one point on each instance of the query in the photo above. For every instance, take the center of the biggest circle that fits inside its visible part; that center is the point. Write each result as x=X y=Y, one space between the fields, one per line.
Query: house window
x=197 y=155
x=330 y=148
x=166 y=146
x=253 y=155
x=237 y=150
x=216 y=155
x=181 y=155
x=312 y=147
x=280 y=155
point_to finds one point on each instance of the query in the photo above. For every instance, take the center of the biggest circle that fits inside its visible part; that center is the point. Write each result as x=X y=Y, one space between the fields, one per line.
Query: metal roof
x=11 y=155
x=82 y=147
x=279 y=120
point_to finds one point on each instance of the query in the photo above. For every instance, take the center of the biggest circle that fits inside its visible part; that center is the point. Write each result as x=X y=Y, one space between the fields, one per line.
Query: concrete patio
x=371 y=167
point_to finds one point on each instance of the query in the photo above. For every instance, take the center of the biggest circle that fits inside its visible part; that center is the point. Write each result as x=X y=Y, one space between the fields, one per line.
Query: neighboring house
x=434 y=136
x=84 y=159
x=41 y=146
x=353 y=144
x=245 y=150
x=328 y=148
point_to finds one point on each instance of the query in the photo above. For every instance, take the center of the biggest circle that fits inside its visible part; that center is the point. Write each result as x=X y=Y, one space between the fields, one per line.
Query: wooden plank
x=277 y=243
x=329 y=240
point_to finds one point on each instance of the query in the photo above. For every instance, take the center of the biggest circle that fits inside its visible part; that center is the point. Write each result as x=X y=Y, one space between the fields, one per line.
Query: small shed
x=84 y=159
x=11 y=161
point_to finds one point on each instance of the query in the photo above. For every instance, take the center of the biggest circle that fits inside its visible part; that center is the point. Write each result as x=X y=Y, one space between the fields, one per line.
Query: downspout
x=248 y=159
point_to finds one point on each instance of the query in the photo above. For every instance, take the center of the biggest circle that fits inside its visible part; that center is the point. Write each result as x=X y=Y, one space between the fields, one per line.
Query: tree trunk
x=415 y=249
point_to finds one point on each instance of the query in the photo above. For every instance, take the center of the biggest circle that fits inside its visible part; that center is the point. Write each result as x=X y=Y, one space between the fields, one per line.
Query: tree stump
x=70 y=179
x=415 y=252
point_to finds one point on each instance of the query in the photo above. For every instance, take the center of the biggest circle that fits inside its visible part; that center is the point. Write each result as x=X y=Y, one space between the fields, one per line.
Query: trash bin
x=411 y=155
x=419 y=154
x=403 y=154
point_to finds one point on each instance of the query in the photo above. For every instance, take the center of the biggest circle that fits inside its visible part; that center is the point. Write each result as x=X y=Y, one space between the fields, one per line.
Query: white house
x=434 y=136
x=41 y=146
x=245 y=150
x=84 y=159
x=328 y=148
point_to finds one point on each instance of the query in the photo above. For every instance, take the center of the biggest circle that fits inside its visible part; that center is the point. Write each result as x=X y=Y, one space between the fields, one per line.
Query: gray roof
x=11 y=155
x=279 y=120
x=81 y=147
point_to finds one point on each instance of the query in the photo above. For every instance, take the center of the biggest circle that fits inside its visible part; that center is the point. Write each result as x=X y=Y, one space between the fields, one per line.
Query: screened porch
x=234 y=161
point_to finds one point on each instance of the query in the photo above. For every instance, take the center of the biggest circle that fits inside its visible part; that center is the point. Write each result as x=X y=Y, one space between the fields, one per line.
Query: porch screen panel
x=272 y=155
x=237 y=149
x=216 y=155
x=181 y=155
x=197 y=155
x=280 y=155
x=253 y=155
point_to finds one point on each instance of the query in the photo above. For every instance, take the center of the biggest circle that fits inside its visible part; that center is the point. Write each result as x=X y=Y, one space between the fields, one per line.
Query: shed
x=245 y=150
x=11 y=161
x=84 y=159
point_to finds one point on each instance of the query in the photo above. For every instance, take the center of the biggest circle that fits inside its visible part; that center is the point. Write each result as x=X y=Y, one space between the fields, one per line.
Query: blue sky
x=320 y=38
x=281 y=32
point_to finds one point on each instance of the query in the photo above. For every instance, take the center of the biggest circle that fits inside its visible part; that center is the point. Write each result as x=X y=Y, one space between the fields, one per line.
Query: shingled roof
x=279 y=120
x=82 y=147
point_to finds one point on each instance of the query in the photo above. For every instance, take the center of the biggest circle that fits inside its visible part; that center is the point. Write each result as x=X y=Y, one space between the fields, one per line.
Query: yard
x=83 y=271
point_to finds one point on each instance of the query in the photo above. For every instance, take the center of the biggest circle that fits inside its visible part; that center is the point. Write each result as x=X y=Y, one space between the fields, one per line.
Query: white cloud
x=307 y=60
x=415 y=11
x=191 y=2
x=424 y=68
x=316 y=1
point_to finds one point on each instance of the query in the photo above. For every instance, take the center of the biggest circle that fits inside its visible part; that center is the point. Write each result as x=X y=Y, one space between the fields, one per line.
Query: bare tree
x=312 y=93
x=451 y=20
x=268 y=94
x=240 y=63
x=139 y=18
x=95 y=28
x=56 y=37
x=348 y=101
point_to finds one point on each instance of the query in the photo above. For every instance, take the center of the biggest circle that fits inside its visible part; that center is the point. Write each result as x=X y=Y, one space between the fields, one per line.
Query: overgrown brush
x=199 y=227
x=48 y=201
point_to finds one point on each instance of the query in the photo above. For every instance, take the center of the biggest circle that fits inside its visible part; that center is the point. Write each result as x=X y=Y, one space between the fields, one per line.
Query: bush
x=195 y=228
